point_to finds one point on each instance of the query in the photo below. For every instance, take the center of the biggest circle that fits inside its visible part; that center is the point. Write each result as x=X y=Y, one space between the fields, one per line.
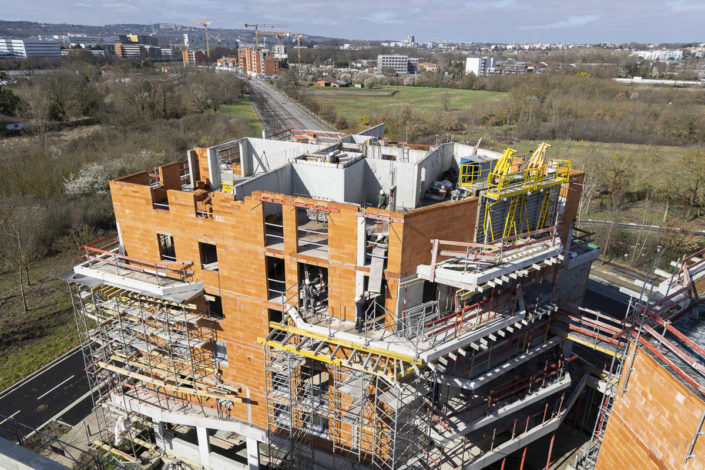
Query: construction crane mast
x=298 y=49
x=205 y=24
x=257 y=27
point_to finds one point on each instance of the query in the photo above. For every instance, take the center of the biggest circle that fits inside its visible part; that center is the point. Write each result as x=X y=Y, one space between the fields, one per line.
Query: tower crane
x=298 y=49
x=256 y=27
x=205 y=24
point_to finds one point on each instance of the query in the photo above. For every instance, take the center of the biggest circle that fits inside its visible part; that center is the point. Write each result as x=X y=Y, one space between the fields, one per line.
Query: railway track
x=278 y=112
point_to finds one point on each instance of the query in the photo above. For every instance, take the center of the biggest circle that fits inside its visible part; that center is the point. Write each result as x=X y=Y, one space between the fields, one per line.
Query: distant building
x=137 y=51
x=329 y=82
x=228 y=63
x=256 y=61
x=660 y=56
x=192 y=57
x=400 y=63
x=30 y=49
x=480 y=66
x=186 y=39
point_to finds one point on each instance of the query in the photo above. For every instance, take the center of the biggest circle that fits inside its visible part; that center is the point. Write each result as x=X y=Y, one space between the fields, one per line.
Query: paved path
x=58 y=391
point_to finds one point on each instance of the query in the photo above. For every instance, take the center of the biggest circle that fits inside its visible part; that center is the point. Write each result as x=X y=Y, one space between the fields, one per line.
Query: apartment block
x=400 y=63
x=257 y=61
x=329 y=301
x=193 y=57
x=480 y=66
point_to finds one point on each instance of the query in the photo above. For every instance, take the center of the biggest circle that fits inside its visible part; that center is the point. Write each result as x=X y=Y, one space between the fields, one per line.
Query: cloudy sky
x=569 y=21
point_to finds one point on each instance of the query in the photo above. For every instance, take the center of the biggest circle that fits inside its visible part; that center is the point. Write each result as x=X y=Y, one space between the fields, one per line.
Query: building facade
x=30 y=49
x=257 y=61
x=400 y=63
x=480 y=66
x=268 y=297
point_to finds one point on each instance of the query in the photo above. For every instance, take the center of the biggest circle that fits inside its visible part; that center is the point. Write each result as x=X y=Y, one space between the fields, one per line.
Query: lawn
x=353 y=103
x=30 y=340
x=244 y=109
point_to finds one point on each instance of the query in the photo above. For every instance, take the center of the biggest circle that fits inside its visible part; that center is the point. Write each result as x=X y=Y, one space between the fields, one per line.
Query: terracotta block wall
x=410 y=242
x=651 y=425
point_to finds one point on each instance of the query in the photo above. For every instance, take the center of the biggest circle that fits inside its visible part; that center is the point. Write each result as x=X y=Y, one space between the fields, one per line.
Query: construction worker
x=360 y=307
x=309 y=301
x=382 y=200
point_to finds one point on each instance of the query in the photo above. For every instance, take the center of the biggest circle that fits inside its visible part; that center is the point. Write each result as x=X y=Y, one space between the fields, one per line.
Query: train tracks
x=278 y=112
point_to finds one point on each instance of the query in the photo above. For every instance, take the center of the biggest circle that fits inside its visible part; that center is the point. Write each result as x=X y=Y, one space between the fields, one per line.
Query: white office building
x=400 y=63
x=29 y=48
x=480 y=66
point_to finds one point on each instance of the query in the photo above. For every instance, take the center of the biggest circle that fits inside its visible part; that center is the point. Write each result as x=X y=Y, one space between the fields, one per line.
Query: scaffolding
x=145 y=348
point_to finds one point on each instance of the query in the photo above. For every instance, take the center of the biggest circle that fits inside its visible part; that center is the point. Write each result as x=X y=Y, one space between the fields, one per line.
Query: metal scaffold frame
x=144 y=348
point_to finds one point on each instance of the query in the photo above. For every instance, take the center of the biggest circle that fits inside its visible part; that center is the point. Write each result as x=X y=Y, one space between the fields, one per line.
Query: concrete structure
x=256 y=290
x=400 y=63
x=29 y=49
x=257 y=61
x=480 y=66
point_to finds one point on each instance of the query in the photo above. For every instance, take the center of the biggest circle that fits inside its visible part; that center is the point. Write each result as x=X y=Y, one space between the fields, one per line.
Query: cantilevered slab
x=174 y=290
x=513 y=262
x=477 y=382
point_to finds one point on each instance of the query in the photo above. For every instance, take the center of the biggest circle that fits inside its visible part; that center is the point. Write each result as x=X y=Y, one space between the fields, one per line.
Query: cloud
x=684 y=6
x=384 y=17
x=569 y=22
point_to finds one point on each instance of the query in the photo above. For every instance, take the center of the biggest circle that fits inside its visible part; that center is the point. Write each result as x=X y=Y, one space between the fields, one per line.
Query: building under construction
x=331 y=301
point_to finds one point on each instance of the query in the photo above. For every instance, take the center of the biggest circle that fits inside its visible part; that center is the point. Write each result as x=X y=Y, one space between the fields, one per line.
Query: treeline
x=654 y=190
x=55 y=184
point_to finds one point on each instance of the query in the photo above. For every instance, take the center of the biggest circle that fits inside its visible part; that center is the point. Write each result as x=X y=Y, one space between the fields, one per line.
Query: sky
x=508 y=21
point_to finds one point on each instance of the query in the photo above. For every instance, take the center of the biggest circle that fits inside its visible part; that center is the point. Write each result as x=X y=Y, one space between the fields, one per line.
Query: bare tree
x=22 y=230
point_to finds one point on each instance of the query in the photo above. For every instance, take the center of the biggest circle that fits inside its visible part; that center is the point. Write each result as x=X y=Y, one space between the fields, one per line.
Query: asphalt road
x=59 y=391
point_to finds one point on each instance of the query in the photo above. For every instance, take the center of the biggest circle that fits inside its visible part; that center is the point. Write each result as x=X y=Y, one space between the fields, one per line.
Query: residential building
x=254 y=292
x=193 y=57
x=330 y=82
x=257 y=61
x=229 y=63
x=400 y=63
x=480 y=66
x=30 y=48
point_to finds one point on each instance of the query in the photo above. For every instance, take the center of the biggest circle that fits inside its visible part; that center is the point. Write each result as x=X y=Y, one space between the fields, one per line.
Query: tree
x=370 y=83
x=692 y=179
x=9 y=102
x=617 y=173
x=22 y=232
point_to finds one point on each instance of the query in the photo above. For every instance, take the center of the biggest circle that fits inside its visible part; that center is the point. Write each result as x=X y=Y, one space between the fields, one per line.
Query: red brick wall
x=652 y=424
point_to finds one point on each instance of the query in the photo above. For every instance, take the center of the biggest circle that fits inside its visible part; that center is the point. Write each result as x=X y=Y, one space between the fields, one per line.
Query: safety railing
x=161 y=205
x=318 y=239
x=178 y=270
x=500 y=184
x=276 y=288
x=273 y=233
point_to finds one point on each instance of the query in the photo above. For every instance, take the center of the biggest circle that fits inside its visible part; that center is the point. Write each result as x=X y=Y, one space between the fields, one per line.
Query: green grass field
x=353 y=103
x=30 y=340
x=244 y=109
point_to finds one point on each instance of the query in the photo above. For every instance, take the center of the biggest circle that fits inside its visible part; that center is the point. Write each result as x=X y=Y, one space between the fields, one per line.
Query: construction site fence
x=45 y=444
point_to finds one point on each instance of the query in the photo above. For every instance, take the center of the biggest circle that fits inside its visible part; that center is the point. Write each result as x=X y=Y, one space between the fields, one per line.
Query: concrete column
x=252 y=454
x=361 y=241
x=204 y=446
x=159 y=437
